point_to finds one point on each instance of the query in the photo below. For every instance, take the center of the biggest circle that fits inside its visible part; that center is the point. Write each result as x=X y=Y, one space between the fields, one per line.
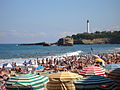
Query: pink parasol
x=92 y=70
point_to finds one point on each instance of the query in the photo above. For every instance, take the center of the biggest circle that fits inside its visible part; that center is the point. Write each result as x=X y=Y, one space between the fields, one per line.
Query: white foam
x=117 y=48
x=19 y=61
x=76 y=53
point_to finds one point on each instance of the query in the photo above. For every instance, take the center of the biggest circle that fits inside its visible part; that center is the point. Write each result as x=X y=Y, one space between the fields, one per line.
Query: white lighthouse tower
x=88 y=28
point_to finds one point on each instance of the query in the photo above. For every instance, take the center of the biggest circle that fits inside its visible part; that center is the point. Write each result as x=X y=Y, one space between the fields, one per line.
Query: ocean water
x=12 y=52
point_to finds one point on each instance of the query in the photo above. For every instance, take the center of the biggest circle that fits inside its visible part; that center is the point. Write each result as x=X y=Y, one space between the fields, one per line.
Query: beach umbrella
x=26 y=63
x=98 y=60
x=64 y=76
x=115 y=75
x=62 y=81
x=95 y=83
x=96 y=56
x=5 y=64
x=27 y=81
x=92 y=70
x=112 y=66
x=56 y=85
x=2 y=85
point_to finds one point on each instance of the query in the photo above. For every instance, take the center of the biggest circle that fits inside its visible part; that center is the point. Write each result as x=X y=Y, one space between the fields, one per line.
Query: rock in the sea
x=66 y=41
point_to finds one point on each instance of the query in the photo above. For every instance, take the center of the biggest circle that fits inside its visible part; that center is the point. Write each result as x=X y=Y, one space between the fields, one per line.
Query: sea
x=15 y=53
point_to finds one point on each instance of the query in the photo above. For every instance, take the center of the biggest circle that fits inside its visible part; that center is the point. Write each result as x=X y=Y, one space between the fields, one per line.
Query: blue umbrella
x=5 y=64
x=112 y=66
x=39 y=67
x=95 y=83
x=25 y=63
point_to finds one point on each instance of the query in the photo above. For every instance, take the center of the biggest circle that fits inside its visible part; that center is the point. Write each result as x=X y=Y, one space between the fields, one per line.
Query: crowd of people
x=62 y=63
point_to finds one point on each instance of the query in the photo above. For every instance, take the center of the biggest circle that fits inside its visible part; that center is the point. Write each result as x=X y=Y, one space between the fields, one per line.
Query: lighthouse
x=88 y=30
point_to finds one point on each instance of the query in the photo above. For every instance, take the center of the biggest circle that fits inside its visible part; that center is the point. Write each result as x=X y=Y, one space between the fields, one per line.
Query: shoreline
x=19 y=61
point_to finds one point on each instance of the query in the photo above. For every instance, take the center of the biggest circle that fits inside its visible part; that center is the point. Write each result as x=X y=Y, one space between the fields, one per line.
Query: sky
x=29 y=21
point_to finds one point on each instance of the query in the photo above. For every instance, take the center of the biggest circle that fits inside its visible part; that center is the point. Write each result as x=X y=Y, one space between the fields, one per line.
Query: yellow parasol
x=98 y=60
x=64 y=76
x=62 y=80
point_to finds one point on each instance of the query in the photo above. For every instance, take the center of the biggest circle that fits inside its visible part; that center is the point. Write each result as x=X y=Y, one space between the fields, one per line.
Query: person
x=3 y=68
x=30 y=62
x=5 y=77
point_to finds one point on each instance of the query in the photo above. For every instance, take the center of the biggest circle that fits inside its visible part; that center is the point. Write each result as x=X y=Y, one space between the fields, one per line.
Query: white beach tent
x=9 y=66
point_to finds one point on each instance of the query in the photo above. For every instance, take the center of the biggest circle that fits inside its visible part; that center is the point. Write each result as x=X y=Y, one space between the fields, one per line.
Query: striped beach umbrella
x=112 y=66
x=95 y=83
x=92 y=70
x=115 y=75
x=62 y=81
x=64 y=76
x=27 y=81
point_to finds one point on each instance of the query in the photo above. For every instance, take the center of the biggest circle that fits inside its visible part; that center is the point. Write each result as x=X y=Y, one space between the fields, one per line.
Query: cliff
x=96 y=41
x=66 y=41
x=104 y=37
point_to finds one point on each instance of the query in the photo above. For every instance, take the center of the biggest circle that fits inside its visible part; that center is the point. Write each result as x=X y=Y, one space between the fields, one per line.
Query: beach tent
x=63 y=80
x=27 y=81
x=95 y=83
x=8 y=65
x=92 y=70
x=112 y=66
x=115 y=75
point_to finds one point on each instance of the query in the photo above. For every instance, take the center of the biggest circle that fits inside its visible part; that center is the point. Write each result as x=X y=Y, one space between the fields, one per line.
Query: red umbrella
x=92 y=70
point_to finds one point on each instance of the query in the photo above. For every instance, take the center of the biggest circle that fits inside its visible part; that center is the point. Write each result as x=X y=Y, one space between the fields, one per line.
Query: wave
x=76 y=53
x=117 y=48
x=19 y=61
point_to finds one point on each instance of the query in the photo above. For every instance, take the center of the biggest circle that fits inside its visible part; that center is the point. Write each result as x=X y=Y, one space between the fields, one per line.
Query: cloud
x=115 y=28
x=64 y=34
x=110 y=28
x=12 y=36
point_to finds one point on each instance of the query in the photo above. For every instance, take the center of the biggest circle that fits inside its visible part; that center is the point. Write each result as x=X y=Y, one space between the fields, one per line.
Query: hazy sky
x=23 y=21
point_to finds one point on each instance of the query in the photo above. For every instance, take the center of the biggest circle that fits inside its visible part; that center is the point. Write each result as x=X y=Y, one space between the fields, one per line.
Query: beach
x=53 y=63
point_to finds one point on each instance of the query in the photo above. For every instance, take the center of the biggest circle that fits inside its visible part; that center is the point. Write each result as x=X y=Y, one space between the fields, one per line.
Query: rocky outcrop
x=42 y=43
x=66 y=41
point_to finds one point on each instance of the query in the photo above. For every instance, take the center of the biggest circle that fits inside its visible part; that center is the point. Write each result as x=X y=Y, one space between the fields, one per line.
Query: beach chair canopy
x=92 y=70
x=27 y=81
x=112 y=66
x=95 y=83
